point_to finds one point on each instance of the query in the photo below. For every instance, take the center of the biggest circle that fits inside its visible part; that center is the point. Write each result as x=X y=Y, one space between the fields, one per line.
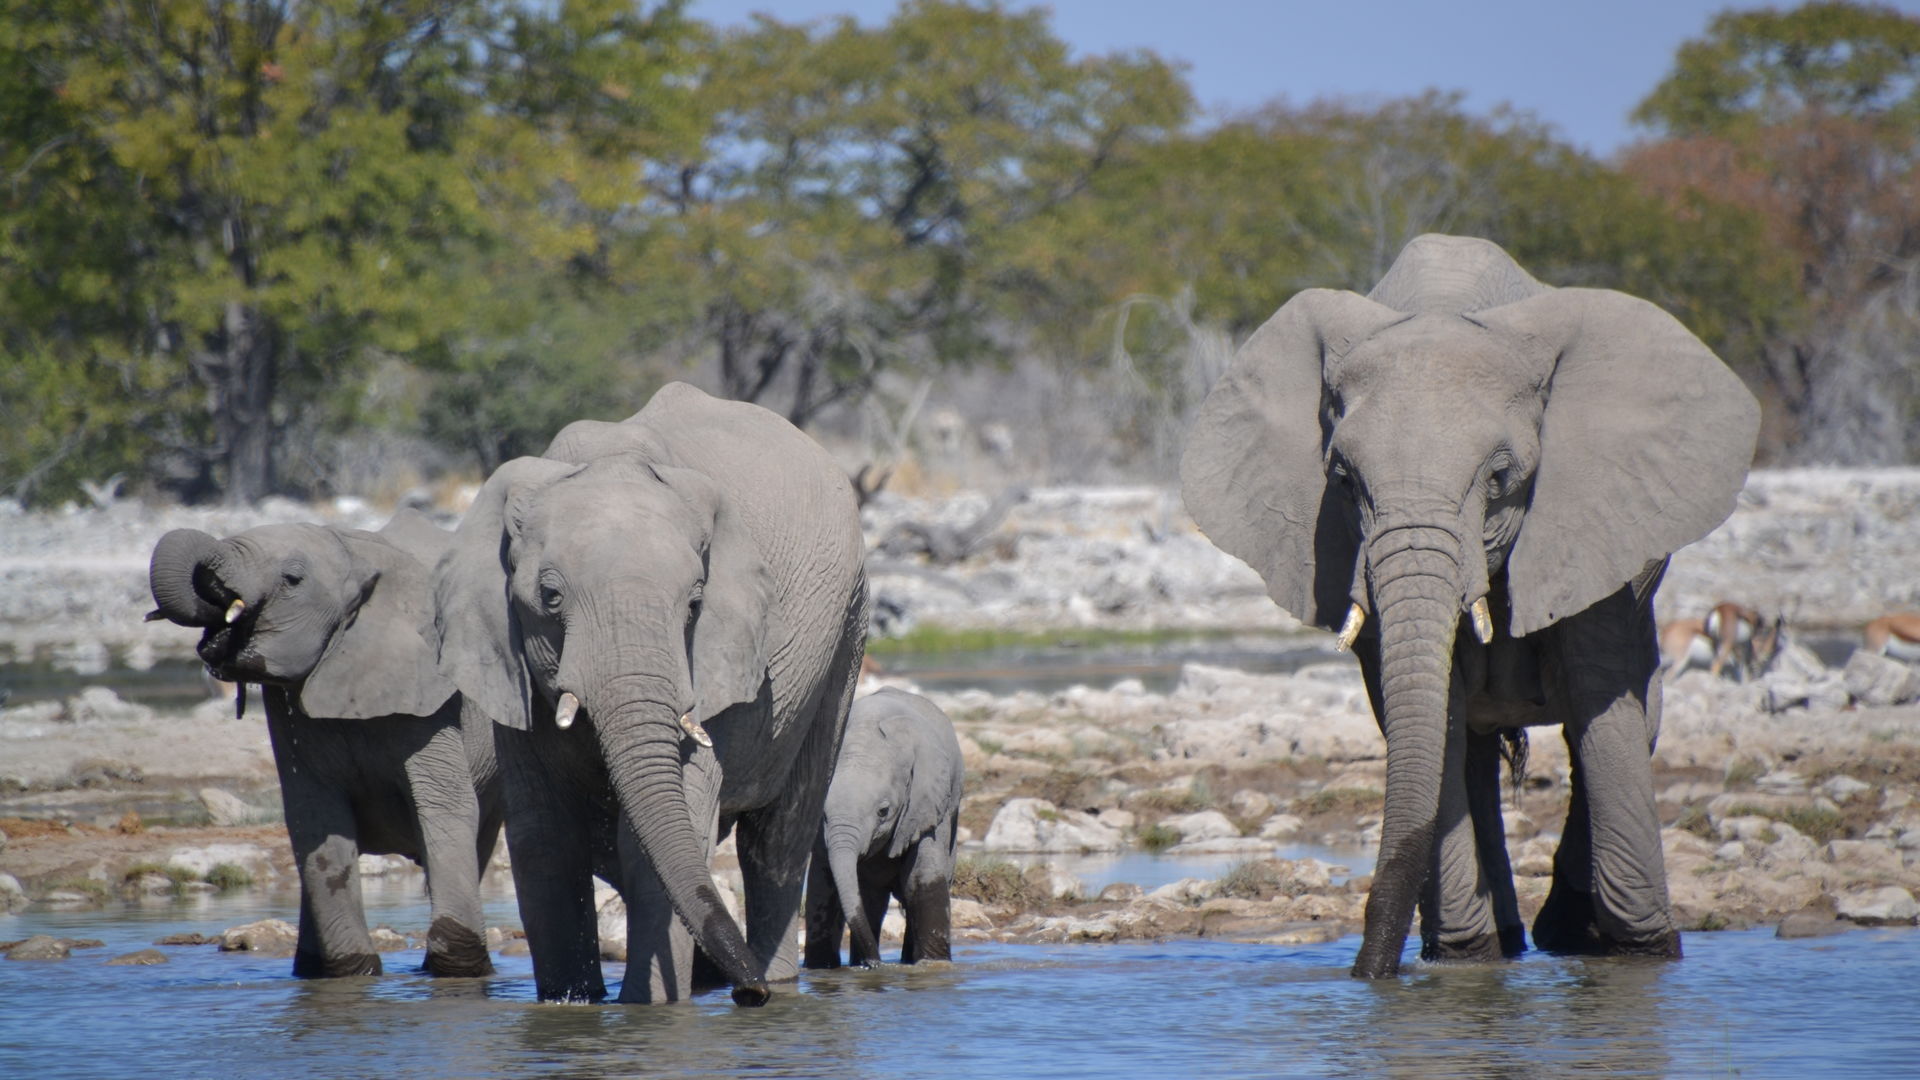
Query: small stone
x=224 y=808
x=516 y=947
x=1885 y=906
x=188 y=939
x=143 y=958
x=965 y=914
x=1843 y=788
x=1731 y=852
x=1186 y=890
x=1121 y=892
x=387 y=939
x=268 y=937
x=11 y=894
x=39 y=947
x=1249 y=805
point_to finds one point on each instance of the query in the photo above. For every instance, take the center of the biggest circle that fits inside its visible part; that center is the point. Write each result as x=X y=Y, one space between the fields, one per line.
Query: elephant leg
x=552 y=858
x=449 y=817
x=826 y=921
x=1456 y=908
x=1609 y=658
x=775 y=841
x=1566 y=922
x=1490 y=836
x=333 y=939
x=926 y=880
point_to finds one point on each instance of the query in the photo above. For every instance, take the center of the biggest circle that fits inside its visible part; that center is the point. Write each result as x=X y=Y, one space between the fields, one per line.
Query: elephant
x=376 y=752
x=892 y=817
x=666 y=618
x=1355 y=451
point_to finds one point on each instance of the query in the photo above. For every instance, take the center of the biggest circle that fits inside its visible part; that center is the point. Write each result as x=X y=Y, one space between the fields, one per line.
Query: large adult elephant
x=1465 y=446
x=667 y=615
x=376 y=752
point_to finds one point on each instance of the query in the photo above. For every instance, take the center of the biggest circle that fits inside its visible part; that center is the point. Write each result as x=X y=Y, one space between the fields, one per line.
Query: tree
x=1810 y=121
x=865 y=197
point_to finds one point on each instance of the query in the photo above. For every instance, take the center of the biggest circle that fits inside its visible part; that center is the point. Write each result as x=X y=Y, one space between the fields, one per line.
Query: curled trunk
x=642 y=748
x=178 y=560
x=843 y=854
x=1416 y=588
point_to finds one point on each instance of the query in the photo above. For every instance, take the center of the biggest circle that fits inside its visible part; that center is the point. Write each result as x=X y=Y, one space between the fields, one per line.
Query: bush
x=228 y=876
x=993 y=881
x=1156 y=838
x=1341 y=800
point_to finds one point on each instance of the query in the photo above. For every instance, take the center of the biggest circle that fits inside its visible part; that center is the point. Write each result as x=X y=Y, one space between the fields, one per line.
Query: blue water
x=1741 y=1003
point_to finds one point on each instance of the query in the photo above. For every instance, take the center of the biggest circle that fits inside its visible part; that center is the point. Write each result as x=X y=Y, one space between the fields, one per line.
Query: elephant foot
x=1660 y=947
x=456 y=951
x=1479 y=948
x=310 y=966
x=1513 y=940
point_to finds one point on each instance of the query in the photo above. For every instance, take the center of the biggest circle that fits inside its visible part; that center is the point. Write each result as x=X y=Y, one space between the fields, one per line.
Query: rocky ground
x=1791 y=796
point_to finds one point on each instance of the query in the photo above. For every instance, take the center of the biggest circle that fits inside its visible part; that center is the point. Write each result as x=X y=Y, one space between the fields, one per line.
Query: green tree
x=866 y=197
x=1809 y=119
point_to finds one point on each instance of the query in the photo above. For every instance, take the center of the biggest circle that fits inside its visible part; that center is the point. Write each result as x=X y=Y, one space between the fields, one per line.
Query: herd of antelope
x=1739 y=641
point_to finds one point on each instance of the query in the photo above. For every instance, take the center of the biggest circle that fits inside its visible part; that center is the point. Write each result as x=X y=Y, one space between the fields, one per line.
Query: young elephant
x=372 y=749
x=892 y=810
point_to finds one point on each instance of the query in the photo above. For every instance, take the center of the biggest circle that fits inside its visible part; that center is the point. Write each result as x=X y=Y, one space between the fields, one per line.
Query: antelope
x=1897 y=636
x=1730 y=636
x=1684 y=644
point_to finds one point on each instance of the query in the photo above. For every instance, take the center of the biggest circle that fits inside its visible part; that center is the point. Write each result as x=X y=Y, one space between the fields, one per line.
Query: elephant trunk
x=843 y=854
x=179 y=558
x=1417 y=591
x=643 y=744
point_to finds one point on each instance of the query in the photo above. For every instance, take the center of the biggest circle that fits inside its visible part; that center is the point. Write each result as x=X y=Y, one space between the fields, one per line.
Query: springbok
x=1731 y=635
x=1897 y=636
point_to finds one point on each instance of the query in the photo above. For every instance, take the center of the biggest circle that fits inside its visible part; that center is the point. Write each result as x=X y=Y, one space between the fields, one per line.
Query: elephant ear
x=1254 y=472
x=1643 y=448
x=473 y=607
x=739 y=620
x=928 y=798
x=380 y=661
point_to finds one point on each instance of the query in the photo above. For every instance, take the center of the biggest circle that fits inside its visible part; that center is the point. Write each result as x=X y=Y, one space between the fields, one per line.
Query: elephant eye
x=1338 y=469
x=550 y=598
x=292 y=578
x=885 y=811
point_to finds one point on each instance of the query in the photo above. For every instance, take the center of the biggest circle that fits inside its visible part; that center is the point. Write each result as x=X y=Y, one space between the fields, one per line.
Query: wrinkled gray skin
x=892 y=814
x=704 y=558
x=373 y=753
x=1465 y=432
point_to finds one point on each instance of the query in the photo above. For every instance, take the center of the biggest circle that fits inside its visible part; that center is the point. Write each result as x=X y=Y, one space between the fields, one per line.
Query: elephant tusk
x=693 y=729
x=1482 y=621
x=563 y=713
x=1349 y=630
x=235 y=610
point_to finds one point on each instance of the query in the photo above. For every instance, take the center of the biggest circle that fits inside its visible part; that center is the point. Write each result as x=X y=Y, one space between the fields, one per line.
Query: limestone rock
x=39 y=947
x=1188 y=890
x=1204 y=825
x=965 y=914
x=1844 y=788
x=1038 y=825
x=1121 y=892
x=1879 y=680
x=387 y=939
x=1884 y=906
x=1868 y=858
x=226 y=808
x=268 y=937
x=1249 y=805
x=1281 y=826
x=11 y=894
x=383 y=865
x=97 y=704
x=252 y=858
x=143 y=958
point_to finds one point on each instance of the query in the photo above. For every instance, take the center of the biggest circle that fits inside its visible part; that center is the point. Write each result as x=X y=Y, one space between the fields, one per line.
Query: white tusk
x=1350 y=629
x=693 y=729
x=235 y=609
x=1482 y=621
x=563 y=712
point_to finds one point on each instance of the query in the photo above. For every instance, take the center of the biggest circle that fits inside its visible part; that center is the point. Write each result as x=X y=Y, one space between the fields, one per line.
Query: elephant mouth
x=229 y=656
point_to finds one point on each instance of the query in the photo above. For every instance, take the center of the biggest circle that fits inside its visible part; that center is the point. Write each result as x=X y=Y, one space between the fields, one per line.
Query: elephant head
x=889 y=789
x=339 y=615
x=1464 y=431
x=628 y=597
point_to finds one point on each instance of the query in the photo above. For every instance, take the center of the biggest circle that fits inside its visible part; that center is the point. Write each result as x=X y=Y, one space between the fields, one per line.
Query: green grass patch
x=1744 y=771
x=96 y=889
x=179 y=875
x=1712 y=920
x=228 y=876
x=1693 y=818
x=1817 y=823
x=1339 y=800
x=1192 y=799
x=1156 y=838
x=1256 y=879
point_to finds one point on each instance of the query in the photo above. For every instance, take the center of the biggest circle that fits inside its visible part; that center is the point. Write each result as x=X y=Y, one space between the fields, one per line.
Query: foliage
x=1818 y=823
x=1339 y=800
x=1808 y=121
x=994 y=881
x=225 y=876
x=1156 y=838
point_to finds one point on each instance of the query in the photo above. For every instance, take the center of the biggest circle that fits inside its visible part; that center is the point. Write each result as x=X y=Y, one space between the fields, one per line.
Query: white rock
x=1281 y=826
x=1843 y=788
x=893 y=926
x=1038 y=825
x=1204 y=825
x=1249 y=805
x=249 y=857
x=11 y=894
x=1186 y=890
x=1865 y=857
x=1884 y=905
x=226 y=808
x=101 y=705
x=1875 y=680
x=383 y=865
x=965 y=914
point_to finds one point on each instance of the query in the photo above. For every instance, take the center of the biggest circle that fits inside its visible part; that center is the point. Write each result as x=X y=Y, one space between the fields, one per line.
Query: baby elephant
x=337 y=627
x=892 y=810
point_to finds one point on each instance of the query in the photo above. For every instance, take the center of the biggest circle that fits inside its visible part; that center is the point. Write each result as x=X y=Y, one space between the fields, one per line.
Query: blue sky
x=1580 y=66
